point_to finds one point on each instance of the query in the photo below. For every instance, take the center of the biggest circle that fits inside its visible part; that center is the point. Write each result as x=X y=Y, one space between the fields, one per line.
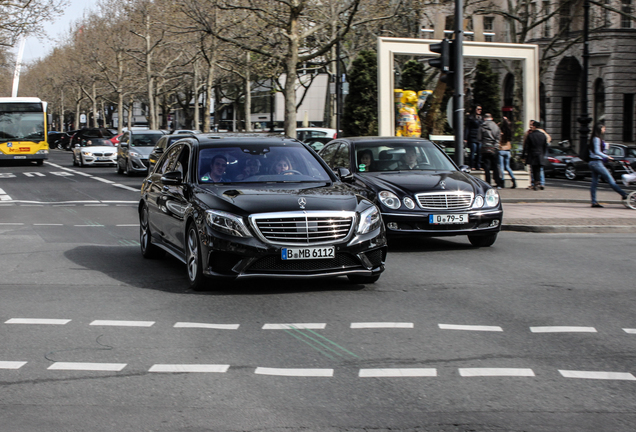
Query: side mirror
x=344 y=174
x=123 y=144
x=159 y=150
x=464 y=169
x=173 y=178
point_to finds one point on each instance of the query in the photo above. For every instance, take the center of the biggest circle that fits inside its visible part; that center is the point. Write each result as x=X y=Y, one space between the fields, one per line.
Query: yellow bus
x=23 y=129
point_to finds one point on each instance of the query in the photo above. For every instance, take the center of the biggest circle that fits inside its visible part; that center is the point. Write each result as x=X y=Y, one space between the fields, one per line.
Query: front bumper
x=139 y=164
x=417 y=223
x=92 y=160
x=234 y=258
x=40 y=156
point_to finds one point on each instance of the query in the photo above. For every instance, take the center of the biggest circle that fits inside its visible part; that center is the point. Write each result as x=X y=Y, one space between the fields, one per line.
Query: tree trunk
x=151 y=115
x=208 y=93
x=131 y=108
x=290 y=80
x=195 y=91
x=77 y=108
x=94 y=102
x=248 y=96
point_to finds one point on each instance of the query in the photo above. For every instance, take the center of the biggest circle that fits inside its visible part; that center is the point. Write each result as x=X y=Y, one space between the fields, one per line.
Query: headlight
x=133 y=154
x=227 y=223
x=409 y=203
x=42 y=152
x=479 y=202
x=492 y=198
x=389 y=199
x=87 y=153
x=370 y=220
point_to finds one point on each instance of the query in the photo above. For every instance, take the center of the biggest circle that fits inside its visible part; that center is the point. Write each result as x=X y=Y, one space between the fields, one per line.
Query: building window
x=628 y=117
x=607 y=22
x=546 y=24
x=599 y=101
x=626 y=7
x=489 y=27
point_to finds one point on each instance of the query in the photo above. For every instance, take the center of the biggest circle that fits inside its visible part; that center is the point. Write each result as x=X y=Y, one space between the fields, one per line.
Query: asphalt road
x=536 y=333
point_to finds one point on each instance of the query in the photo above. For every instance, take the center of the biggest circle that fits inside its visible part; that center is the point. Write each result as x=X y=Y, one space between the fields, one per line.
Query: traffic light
x=446 y=60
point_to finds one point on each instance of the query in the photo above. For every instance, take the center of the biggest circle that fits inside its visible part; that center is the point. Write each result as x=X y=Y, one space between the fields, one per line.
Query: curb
x=554 y=201
x=579 y=229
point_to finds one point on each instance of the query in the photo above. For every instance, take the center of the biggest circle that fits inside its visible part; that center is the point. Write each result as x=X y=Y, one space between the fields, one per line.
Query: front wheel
x=482 y=240
x=570 y=173
x=363 y=280
x=193 y=259
x=148 y=248
x=119 y=170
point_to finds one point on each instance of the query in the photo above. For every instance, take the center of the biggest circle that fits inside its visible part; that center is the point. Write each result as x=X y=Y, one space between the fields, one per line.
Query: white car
x=95 y=152
x=305 y=134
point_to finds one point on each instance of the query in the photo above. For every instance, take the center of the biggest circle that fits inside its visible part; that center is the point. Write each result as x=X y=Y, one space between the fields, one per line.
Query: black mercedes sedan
x=418 y=188
x=254 y=206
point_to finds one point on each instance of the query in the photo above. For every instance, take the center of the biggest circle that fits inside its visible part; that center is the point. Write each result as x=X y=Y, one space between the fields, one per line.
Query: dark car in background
x=418 y=188
x=257 y=207
x=64 y=141
x=133 y=150
x=622 y=155
x=162 y=145
x=557 y=159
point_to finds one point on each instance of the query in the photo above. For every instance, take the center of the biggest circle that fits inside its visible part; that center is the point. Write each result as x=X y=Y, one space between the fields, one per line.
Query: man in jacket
x=473 y=123
x=489 y=136
x=534 y=149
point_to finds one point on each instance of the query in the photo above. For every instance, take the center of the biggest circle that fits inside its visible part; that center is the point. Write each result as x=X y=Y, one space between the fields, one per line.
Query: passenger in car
x=252 y=167
x=365 y=161
x=217 y=170
x=281 y=164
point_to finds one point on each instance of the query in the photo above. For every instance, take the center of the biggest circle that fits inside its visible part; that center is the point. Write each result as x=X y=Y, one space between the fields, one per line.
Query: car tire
x=81 y=162
x=571 y=173
x=39 y=162
x=148 y=248
x=119 y=170
x=482 y=240
x=362 y=280
x=194 y=261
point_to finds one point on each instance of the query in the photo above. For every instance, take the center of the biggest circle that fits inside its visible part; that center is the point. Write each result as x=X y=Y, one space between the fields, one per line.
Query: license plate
x=103 y=159
x=19 y=157
x=446 y=219
x=304 y=253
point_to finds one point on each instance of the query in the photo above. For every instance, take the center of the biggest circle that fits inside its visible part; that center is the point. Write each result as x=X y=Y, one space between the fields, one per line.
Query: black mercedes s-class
x=419 y=189
x=257 y=206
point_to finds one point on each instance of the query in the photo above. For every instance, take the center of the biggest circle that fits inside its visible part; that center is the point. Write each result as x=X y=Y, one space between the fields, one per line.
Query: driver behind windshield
x=281 y=165
x=217 y=170
x=408 y=161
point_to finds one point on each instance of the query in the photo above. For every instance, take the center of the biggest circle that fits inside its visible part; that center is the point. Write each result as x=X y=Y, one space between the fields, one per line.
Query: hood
x=142 y=150
x=252 y=199
x=411 y=183
x=100 y=149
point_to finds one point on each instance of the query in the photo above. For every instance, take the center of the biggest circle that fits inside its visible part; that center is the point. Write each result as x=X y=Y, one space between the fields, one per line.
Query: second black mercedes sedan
x=253 y=206
x=418 y=188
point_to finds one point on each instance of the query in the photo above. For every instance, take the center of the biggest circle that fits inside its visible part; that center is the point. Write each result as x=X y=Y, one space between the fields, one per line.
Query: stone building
x=557 y=27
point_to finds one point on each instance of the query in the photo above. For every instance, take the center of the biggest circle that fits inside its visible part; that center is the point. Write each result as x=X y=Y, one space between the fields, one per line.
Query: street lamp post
x=584 y=119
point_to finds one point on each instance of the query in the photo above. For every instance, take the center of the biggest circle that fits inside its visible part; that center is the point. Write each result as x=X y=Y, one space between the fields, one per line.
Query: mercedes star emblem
x=442 y=184
x=302 y=202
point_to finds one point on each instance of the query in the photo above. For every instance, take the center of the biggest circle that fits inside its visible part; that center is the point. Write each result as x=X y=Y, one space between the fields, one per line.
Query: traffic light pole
x=458 y=76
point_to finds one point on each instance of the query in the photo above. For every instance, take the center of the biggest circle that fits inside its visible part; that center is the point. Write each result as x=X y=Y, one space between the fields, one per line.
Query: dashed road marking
x=43 y=321
x=623 y=376
x=78 y=366
x=207 y=326
x=11 y=364
x=397 y=372
x=33 y=174
x=306 y=326
x=501 y=372
x=470 y=327
x=177 y=368
x=291 y=372
x=11 y=223
x=629 y=330
x=122 y=323
x=562 y=329
x=376 y=325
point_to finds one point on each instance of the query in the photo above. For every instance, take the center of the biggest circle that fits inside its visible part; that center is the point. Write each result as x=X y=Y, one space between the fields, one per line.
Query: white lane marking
x=103 y=180
x=48 y=224
x=4 y=197
x=126 y=187
x=11 y=223
x=62 y=174
x=294 y=372
x=207 y=326
x=90 y=225
x=624 y=376
x=77 y=366
x=120 y=202
x=122 y=323
x=33 y=174
x=306 y=326
x=96 y=205
x=397 y=373
x=509 y=372
x=630 y=331
x=189 y=368
x=11 y=364
x=45 y=321
x=364 y=325
x=127 y=225
x=470 y=327
x=7 y=175
x=562 y=329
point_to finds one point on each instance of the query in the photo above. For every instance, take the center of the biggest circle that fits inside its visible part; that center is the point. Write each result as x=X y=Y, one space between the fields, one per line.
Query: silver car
x=94 y=151
x=134 y=148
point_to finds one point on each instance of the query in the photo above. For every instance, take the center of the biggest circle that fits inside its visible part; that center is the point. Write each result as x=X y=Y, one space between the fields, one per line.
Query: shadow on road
x=168 y=274
x=423 y=244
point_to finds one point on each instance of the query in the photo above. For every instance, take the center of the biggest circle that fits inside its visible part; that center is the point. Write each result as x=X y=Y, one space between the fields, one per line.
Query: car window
x=161 y=144
x=144 y=140
x=631 y=152
x=168 y=160
x=329 y=152
x=342 y=157
x=401 y=156
x=246 y=163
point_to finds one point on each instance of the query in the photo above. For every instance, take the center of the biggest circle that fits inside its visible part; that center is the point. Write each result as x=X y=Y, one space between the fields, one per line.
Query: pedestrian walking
x=489 y=136
x=471 y=129
x=534 y=149
x=597 y=156
x=504 y=152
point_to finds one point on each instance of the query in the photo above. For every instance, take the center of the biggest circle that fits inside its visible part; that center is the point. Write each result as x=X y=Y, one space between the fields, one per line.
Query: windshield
x=401 y=156
x=94 y=142
x=145 y=140
x=257 y=163
x=28 y=126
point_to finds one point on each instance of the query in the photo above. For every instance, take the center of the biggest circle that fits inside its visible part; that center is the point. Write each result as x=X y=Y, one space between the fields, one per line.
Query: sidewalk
x=564 y=210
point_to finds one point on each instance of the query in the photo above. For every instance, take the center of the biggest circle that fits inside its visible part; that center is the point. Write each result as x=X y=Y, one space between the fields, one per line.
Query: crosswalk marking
x=78 y=366
x=623 y=376
x=176 y=368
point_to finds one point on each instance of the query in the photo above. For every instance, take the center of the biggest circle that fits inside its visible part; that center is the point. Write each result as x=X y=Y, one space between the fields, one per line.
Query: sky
x=38 y=48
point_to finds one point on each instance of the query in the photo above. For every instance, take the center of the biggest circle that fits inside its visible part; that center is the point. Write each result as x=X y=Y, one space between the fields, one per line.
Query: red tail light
x=553 y=160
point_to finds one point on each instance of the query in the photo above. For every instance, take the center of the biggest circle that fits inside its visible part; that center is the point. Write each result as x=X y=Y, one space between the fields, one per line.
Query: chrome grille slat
x=303 y=228
x=445 y=200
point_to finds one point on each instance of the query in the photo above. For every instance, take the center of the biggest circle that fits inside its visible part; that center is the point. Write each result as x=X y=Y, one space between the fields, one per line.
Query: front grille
x=272 y=263
x=304 y=227
x=445 y=200
x=102 y=154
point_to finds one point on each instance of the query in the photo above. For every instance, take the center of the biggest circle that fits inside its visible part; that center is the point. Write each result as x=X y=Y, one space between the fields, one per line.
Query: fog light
x=494 y=223
x=392 y=225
